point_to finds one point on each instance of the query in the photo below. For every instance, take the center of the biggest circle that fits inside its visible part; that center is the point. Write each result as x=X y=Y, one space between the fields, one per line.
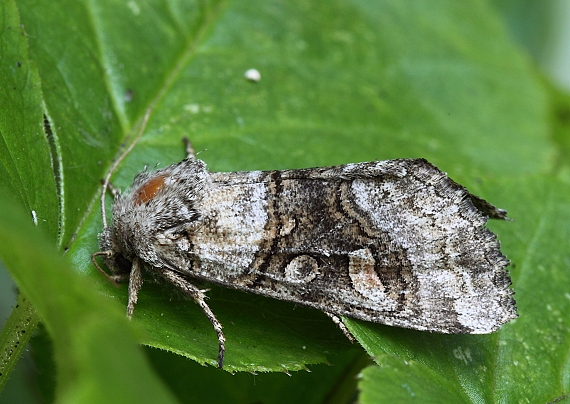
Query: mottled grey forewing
x=394 y=242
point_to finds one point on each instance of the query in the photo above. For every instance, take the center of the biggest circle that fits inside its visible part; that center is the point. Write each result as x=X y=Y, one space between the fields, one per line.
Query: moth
x=394 y=242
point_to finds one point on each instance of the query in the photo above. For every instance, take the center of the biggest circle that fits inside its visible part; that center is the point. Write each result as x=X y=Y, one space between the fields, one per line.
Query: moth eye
x=149 y=190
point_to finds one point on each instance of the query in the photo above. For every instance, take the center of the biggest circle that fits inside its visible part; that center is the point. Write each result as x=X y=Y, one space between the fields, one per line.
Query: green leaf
x=222 y=114
x=333 y=382
x=401 y=382
x=341 y=82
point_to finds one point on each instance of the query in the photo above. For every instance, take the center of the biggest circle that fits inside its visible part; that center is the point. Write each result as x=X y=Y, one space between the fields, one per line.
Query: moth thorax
x=149 y=189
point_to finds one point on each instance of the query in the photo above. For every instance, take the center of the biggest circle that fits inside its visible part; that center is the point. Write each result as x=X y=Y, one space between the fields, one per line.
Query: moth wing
x=395 y=242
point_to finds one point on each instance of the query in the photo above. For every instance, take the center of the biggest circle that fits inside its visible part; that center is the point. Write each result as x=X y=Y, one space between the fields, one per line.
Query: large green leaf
x=341 y=82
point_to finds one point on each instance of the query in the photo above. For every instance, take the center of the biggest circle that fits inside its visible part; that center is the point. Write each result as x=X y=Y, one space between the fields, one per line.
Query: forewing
x=395 y=242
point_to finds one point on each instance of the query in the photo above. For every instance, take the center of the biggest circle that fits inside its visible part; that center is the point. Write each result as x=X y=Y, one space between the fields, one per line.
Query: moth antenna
x=117 y=162
x=107 y=253
x=189 y=149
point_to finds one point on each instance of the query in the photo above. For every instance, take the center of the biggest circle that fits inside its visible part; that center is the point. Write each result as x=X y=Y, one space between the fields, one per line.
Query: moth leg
x=189 y=149
x=135 y=284
x=200 y=298
x=110 y=188
x=114 y=191
x=336 y=319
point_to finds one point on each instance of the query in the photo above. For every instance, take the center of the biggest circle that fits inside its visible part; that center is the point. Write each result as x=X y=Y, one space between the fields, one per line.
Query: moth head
x=118 y=264
x=159 y=206
x=116 y=249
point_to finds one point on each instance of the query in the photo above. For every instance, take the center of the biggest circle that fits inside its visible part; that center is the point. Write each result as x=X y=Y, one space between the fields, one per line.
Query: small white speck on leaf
x=253 y=75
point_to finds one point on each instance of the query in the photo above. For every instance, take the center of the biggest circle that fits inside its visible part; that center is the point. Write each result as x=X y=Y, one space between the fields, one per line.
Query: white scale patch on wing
x=419 y=231
x=366 y=281
x=234 y=219
x=302 y=269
